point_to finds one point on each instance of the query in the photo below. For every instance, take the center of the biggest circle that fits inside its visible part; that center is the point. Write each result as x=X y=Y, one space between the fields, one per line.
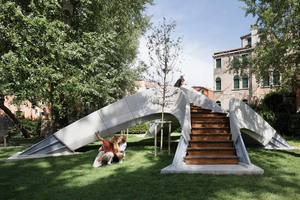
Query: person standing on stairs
x=180 y=81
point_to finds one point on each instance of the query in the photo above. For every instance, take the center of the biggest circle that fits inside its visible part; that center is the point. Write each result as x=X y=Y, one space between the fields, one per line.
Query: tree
x=277 y=51
x=68 y=53
x=13 y=117
x=164 y=53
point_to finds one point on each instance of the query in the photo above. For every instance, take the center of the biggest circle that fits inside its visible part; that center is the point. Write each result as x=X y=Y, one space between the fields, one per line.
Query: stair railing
x=201 y=100
x=238 y=140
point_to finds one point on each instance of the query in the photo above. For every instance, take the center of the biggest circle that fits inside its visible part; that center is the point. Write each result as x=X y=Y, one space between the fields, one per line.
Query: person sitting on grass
x=106 y=152
x=121 y=150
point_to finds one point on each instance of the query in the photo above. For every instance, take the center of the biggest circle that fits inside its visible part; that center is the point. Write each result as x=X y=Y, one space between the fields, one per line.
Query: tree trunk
x=13 y=117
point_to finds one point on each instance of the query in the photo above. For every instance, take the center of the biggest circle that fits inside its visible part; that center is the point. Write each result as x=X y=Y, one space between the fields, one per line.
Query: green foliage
x=277 y=51
x=272 y=100
x=69 y=53
x=268 y=115
x=139 y=129
x=294 y=125
x=33 y=127
x=277 y=111
x=282 y=124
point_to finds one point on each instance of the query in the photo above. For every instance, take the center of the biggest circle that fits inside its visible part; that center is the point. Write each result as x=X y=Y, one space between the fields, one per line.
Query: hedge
x=33 y=127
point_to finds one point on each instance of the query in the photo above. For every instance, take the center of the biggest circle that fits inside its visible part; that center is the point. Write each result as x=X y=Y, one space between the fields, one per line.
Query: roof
x=201 y=87
x=148 y=84
x=246 y=36
x=232 y=51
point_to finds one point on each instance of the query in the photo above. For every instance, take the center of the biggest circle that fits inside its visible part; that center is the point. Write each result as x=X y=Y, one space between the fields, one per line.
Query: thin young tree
x=165 y=54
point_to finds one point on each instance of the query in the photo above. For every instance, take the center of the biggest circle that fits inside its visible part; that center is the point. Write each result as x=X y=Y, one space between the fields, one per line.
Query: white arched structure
x=146 y=106
x=245 y=121
x=130 y=111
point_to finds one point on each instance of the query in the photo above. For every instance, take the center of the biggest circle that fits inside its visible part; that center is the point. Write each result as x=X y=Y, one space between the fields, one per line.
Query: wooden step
x=211 y=159
x=194 y=111
x=193 y=106
x=210 y=136
x=210 y=119
x=210 y=139
x=211 y=151
x=211 y=143
x=193 y=114
x=199 y=109
x=208 y=124
x=211 y=130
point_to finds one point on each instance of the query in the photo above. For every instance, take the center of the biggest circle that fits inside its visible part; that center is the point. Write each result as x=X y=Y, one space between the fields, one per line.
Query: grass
x=138 y=177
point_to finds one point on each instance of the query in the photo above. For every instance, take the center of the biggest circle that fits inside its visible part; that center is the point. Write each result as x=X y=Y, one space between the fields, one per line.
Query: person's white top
x=122 y=147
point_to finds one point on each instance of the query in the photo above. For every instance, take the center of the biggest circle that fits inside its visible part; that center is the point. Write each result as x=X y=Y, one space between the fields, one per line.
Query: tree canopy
x=71 y=52
x=277 y=51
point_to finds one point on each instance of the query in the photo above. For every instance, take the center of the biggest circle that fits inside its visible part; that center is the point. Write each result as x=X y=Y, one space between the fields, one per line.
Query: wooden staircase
x=210 y=139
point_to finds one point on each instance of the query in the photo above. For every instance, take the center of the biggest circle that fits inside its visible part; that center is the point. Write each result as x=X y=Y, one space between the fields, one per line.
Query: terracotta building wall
x=25 y=108
x=206 y=91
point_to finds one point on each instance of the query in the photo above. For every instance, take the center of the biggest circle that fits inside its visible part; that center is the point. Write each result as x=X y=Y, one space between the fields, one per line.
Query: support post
x=155 y=140
x=161 y=139
x=4 y=137
x=169 y=139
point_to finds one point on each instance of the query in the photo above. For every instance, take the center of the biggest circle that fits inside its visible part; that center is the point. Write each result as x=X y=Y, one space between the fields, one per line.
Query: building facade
x=26 y=110
x=206 y=91
x=144 y=85
x=241 y=86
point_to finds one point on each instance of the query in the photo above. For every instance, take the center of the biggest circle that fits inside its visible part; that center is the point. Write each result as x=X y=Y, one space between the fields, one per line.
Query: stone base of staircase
x=239 y=169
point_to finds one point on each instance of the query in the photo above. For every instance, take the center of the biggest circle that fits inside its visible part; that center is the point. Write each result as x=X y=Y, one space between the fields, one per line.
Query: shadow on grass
x=138 y=177
x=149 y=141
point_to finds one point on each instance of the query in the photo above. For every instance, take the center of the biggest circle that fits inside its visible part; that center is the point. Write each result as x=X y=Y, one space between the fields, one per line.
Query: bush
x=139 y=129
x=268 y=115
x=273 y=100
x=33 y=127
x=281 y=124
x=276 y=109
x=294 y=125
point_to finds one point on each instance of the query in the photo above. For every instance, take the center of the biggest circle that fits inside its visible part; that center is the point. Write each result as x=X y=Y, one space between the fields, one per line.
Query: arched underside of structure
x=128 y=112
x=143 y=107
x=253 y=128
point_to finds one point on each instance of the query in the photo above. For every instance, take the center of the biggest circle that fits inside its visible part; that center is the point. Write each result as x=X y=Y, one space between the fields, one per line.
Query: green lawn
x=138 y=177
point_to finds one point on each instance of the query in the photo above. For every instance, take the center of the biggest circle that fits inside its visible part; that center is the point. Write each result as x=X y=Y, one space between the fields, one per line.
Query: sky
x=207 y=26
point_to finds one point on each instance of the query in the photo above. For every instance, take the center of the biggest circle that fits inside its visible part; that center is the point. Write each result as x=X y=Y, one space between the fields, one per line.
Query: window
x=249 y=41
x=218 y=84
x=245 y=101
x=276 y=79
x=245 y=81
x=202 y=91
x=218 y=63
x=266 y=81
x=236 y=82
x=219 y=103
